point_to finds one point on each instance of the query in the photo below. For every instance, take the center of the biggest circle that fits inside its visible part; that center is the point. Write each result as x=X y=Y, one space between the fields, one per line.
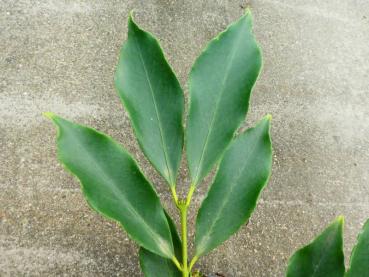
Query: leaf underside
x=242 y=174
x=153 y=265
x=113 y=184
x=322 y=257
x=220 y=85
x=154 y=100
x=359 y=262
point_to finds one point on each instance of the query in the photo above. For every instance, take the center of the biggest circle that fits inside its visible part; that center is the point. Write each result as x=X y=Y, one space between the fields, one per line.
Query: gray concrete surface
x=59 y=56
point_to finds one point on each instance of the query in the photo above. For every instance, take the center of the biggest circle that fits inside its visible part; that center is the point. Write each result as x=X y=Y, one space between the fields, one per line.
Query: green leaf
x=113 y=184
x=154 y=100
x=322 y=257
x=220 y=84
x=359 y=264
x=155 y=266
x=243 y=173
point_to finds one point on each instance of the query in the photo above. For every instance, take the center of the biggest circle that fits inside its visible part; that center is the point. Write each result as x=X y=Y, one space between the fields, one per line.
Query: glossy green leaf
x=113 y=184
x=359 y=263
x=220 y=84
x=153 y=265
x=243 y=173
x=323 y=257
x=154 y=100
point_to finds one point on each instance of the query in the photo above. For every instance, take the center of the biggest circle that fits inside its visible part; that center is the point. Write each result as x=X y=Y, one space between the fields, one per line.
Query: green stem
x=182 y=205
x=183 y=209
x=176 y=262
x=189 y=195
x=192 y=263
x=174 y=194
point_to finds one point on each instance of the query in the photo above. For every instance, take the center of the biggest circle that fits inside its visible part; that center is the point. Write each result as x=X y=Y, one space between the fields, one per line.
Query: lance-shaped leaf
x=153 y=265
x=220 y=84
x=243 y=173
x=113 y=184
x=153 y=98
x=322 y=257
x=359 y=263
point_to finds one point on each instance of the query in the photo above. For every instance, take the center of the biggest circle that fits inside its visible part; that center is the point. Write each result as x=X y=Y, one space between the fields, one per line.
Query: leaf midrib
x=163 y=144
x=116 y=191
x=233 y=53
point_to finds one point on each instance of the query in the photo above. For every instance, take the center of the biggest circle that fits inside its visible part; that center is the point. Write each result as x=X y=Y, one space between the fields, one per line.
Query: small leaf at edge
x=359 y=262
x=322 y=257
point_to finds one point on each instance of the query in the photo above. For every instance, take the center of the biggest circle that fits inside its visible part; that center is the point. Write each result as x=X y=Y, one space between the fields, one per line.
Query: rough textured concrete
x=60 y=56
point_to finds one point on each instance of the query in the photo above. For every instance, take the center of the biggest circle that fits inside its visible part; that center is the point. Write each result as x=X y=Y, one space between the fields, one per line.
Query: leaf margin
x=340 y=221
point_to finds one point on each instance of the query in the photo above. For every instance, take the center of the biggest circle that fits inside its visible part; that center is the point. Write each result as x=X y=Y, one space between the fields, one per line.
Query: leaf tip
x=247 y=11
x=49 y=115
x=131 y=13
x=265 y=121
x=248 y=16
x=340 y=220
x=131 y=22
